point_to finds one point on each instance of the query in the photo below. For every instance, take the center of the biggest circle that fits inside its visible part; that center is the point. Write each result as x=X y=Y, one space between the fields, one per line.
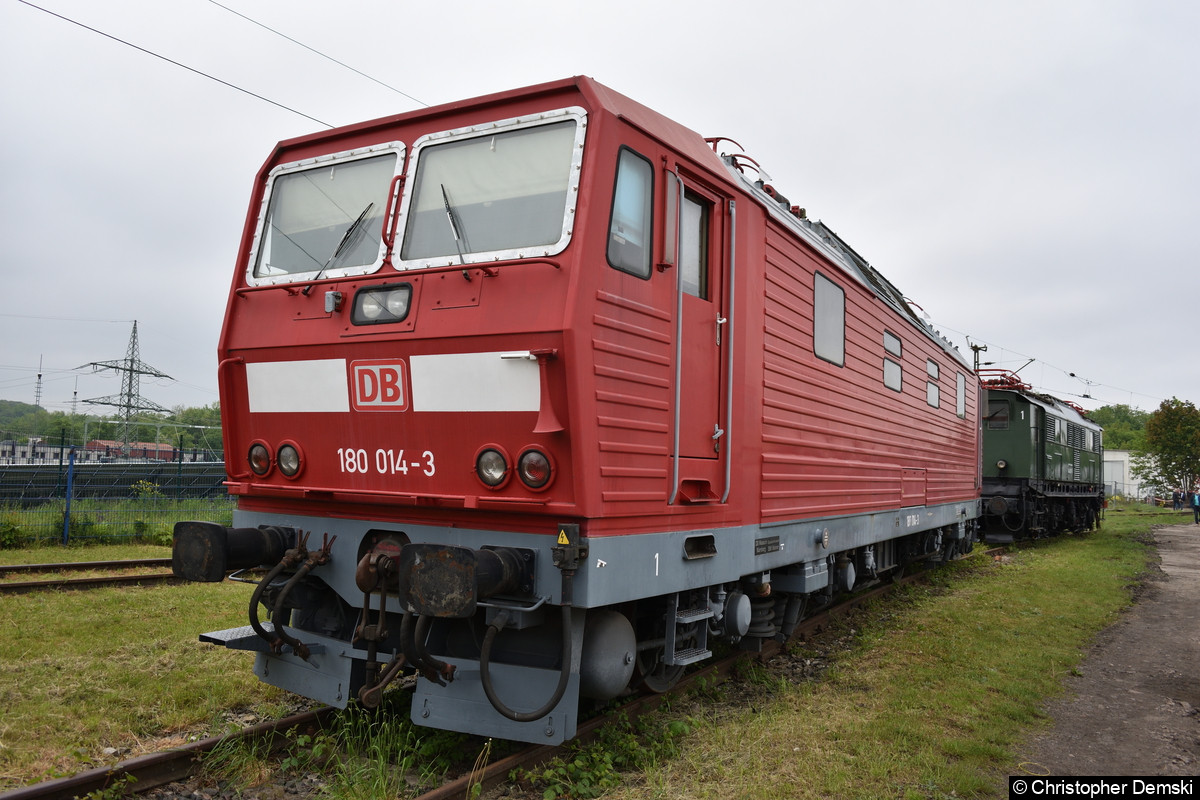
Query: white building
x=1119 y=480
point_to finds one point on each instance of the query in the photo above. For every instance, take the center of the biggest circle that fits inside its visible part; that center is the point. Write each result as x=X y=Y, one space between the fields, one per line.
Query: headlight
x=397 y=302
x=1002 y=464
x=535 y=469
x=259 y=458
x=289 y=460
x=370 y=306
x=492 y=467
x=382 y=304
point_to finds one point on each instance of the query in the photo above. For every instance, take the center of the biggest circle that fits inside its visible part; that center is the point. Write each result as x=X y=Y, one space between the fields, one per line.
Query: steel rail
x=22 y=587
x=158 y=769
x=76 y=566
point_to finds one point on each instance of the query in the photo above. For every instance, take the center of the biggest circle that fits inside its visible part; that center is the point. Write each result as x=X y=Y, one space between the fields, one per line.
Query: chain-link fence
x=109 y=503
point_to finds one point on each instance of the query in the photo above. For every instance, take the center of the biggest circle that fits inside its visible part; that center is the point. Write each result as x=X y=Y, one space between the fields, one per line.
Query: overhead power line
x=319 y=53
x=176 y=63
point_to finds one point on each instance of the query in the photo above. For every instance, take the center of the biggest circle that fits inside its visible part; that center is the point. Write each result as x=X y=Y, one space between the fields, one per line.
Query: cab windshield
x=502 y=193
x=325 y=219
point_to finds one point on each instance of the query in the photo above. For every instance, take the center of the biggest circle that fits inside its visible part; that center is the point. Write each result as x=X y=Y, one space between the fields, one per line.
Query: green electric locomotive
x=1042 y=463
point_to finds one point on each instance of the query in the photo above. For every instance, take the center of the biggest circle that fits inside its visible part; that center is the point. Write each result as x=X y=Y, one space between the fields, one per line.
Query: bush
x=10 y=537
x=145 y=489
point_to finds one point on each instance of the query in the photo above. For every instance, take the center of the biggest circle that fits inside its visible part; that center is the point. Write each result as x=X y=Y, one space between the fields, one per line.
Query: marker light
x=492 y=467
x=289 y=460
x=259 y=458
x=534 y=468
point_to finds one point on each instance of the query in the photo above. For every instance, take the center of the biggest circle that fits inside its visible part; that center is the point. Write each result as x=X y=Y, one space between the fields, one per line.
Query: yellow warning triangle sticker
x=562 y=537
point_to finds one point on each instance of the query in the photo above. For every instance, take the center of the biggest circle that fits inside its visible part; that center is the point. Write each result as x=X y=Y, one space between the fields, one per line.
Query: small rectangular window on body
x=893 y=371
x=892 y=344
x=829 y=320
x=893 y=375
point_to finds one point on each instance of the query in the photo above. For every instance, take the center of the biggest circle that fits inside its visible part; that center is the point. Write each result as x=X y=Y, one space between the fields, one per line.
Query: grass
x=121 y=669
x=147 y=518
x=935 y=698
x=57 y=554
x=931 y=701
x=116 y=668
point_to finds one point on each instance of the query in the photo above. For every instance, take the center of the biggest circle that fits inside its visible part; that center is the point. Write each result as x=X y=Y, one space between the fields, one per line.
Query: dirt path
x=1135 y=709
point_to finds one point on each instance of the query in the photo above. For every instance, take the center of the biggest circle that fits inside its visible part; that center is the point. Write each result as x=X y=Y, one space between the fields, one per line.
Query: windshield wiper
x=459 y=239
x=351 y=235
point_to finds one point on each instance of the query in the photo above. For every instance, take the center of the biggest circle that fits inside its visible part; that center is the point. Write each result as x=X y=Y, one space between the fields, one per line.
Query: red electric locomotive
x=539 y=396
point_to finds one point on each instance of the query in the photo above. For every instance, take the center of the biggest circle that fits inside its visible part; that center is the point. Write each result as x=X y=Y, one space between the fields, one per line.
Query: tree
x=1124 y=426
x=199 y=427
x=196 y=429
x=1171 y=457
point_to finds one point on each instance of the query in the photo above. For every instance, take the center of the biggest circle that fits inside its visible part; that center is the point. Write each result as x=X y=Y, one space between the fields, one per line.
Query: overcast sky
x=1028 y=172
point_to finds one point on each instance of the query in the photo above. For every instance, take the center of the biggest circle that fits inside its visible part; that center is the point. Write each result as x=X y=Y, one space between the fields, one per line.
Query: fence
x=108 y=503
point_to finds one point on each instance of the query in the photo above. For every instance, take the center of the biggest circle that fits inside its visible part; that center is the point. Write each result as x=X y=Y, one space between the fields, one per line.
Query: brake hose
x=564 y=674
x=412 y=629
x=297 y=646
x=256 y=598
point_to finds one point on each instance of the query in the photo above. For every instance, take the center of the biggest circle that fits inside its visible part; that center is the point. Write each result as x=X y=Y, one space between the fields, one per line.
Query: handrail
x=224 y=390
x=731 y=350
x=678 y=337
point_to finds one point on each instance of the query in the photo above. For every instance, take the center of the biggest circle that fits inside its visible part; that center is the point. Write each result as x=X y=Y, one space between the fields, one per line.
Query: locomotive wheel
x=651 y=674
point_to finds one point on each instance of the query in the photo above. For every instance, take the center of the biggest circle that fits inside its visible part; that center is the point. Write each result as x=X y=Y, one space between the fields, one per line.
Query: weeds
x=592 y=769
x=362 y=754
x=120 y=787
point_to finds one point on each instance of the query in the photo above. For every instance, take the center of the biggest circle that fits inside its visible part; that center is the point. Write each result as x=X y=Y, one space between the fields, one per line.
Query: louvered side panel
x=836 y=439
x=813 y=460
x=632 y=365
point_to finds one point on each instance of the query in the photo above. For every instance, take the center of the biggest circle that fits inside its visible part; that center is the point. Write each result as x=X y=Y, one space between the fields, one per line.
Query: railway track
x=152 y=771
x=119 y=575
x=80 y=566
x=158 y=769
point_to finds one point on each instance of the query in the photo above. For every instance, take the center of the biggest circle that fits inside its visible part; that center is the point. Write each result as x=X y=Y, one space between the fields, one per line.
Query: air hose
x=255 y=598
x=564 y=674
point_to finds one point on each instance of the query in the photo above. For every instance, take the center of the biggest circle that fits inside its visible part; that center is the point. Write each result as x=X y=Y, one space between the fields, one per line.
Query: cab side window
x=998 y=415
x=629 y=230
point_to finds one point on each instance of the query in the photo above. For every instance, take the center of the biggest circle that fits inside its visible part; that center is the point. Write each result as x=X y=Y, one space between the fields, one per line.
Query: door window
x=693 y=245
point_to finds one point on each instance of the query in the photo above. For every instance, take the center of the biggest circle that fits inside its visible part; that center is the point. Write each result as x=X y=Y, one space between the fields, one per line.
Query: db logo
x=378 y=386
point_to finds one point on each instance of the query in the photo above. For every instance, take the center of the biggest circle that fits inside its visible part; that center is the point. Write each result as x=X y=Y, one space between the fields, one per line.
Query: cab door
x=702 y=327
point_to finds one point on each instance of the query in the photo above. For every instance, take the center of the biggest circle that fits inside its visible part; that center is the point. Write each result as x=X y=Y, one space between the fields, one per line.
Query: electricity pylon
x=130 y=400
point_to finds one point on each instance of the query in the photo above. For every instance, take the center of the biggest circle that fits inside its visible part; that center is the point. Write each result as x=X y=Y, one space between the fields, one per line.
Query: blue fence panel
x=114 y=502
